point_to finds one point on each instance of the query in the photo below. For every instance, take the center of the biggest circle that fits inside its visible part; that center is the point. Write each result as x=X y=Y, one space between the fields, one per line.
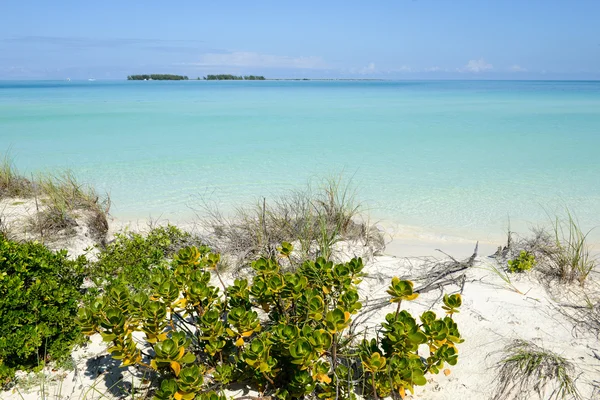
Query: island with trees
x=229 y=77
x=157 y=77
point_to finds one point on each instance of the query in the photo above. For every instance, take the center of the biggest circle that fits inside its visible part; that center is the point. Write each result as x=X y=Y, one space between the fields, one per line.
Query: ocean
x=456 y=158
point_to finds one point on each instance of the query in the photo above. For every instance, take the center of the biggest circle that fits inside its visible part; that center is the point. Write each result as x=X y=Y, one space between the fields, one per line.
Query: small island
x=157 y=77
x=229 y=77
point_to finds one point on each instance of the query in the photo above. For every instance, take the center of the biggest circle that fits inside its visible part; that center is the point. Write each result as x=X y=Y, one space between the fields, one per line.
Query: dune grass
x=65 y=200
x=314 y=219
x=528 y=371
x=13 y=184
x=569 y=258
x=60 y=201
x=562 y=252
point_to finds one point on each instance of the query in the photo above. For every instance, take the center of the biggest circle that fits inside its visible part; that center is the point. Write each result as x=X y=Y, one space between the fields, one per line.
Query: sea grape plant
x=284 y=333
x=523 y=262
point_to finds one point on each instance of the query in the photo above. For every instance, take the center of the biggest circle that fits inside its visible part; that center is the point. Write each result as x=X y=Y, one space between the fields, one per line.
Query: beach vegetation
x=527 y=370
x=523 y=262
x=283 y=334
x=314 y=219
x=568 y=255
x=61 y=202
x=12 y=183
x=130 y=257
x=39 y=299
x=157 y=77
x=560 y=253
x=504 y=275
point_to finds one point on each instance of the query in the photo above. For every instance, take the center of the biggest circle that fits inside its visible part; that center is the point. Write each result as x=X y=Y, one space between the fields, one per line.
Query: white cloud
x=404 y=68
x=477 y=66
x=433 y=69
x=372 y=69
x=517 y=68
x=369 y=69
x=252 y=59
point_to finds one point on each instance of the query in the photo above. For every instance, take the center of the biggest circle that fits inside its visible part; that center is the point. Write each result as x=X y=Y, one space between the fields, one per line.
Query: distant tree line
x=229 y=77
x=157 y=77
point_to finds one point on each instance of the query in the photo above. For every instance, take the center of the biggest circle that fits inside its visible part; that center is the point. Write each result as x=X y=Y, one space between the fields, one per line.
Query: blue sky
x=400 y=39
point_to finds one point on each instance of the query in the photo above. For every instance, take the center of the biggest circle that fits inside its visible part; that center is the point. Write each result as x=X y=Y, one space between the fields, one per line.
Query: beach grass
x=60 y=201
x=530 y=371
x=314 y=218
x=569 y=257
x=65 y=199
x=13 y=184
x=562 y=252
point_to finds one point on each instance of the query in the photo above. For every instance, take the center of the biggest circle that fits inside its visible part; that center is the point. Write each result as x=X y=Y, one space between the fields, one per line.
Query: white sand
x=492 y=314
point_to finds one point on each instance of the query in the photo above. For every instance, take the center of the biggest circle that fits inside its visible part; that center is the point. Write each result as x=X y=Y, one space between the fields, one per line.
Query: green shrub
x=39 y=294
x=199 y=339
x=524 y=262
x=130 y=257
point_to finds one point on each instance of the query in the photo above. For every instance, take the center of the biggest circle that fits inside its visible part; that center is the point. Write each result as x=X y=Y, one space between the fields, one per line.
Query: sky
x=394 y=39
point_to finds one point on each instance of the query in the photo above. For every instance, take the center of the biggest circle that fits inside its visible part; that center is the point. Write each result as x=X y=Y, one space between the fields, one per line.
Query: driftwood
x=444 y=274
x=436 y=275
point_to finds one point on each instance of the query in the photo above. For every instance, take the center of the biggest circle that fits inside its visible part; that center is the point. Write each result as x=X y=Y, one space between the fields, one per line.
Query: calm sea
x=448 y=157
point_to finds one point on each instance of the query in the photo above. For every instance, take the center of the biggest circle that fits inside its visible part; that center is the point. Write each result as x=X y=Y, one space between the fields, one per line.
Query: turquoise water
x=445 y=156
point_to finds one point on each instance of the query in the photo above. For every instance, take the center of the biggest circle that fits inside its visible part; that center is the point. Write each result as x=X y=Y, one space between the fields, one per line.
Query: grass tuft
x=12 y=184
x=528 y=370
x=64 y=200
x=562 y=252
x=569 y=257
x=60 y=201
x=314 y=220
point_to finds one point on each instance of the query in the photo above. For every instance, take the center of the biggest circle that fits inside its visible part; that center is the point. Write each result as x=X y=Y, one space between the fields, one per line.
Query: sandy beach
x=495 y=313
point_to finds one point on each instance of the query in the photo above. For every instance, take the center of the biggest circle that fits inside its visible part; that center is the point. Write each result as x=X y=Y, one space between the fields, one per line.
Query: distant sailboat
x=68 y=79
x=91 y=79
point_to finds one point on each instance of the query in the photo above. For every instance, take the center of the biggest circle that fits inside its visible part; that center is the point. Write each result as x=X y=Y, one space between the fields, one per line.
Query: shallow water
x=447 y=157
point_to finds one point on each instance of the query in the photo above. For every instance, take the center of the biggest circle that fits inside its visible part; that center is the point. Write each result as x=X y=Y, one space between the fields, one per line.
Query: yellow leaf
x=176 y=367
x=181 y=352
x=180 y=303
x=323 y=378
x=325 y=290
x=346 y=316
x=446 y=372
x=412 y=296
x=247 y=333
x=153 y=364
x=402 y=393
x=239 y=342
x=178 y=396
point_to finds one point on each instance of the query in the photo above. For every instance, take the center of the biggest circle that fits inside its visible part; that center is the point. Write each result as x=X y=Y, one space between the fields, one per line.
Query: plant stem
x=398 y=309
x=373 y=384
